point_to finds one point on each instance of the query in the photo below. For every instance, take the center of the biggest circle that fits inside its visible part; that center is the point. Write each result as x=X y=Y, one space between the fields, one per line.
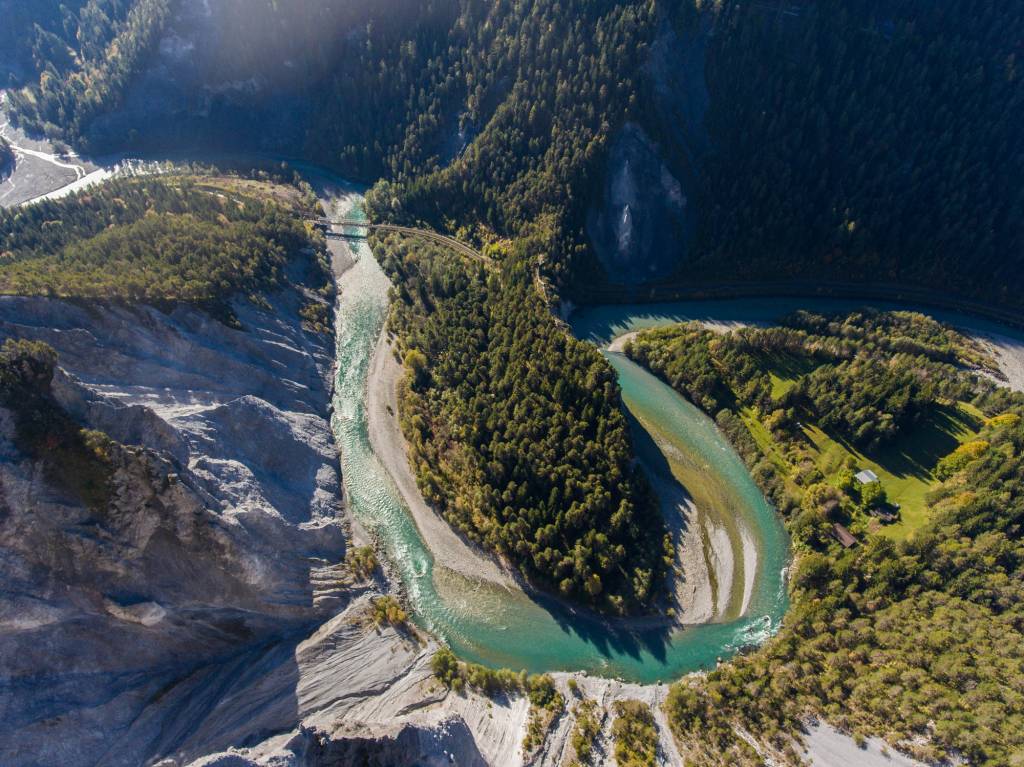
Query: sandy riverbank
x=1008 y=353
x=448 y=548
x=705 y=554
x=693 y=598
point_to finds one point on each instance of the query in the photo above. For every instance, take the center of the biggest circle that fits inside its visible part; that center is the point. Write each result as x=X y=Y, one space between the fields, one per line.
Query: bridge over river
x=363 y=229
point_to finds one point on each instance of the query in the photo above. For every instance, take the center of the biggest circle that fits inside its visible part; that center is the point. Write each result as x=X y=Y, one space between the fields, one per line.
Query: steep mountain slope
x=220 y=532
x=868 y=142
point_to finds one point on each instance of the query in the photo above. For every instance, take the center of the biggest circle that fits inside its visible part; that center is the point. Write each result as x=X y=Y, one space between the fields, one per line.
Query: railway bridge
x=330 y=229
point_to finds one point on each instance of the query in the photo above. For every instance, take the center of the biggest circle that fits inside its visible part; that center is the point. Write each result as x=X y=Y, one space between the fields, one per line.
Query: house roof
x=844 y=536
x=866 y=477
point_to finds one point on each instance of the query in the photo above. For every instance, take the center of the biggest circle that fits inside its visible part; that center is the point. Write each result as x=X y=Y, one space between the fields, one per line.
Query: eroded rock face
x=639 y=225
x=407 y=745
x=221 y=539
x=643 y=222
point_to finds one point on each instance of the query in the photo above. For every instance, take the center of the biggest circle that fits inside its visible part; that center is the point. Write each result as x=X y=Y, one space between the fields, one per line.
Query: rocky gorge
x=208 y=609
x=205 y=613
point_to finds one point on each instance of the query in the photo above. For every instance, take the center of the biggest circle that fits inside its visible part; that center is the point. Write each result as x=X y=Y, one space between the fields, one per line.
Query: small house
x=866 y=477
x=844 y=536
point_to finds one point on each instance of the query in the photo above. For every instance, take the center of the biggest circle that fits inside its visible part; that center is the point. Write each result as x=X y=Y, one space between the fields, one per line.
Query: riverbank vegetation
x=159 y=241
x=914 y=636
x=515 y=429
x=586 y=729
x=635 y=734
x=387 y=611
x=362 y=562
x=818 y=399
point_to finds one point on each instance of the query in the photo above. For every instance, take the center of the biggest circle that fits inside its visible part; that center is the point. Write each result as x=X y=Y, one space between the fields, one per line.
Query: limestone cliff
x=221 y=536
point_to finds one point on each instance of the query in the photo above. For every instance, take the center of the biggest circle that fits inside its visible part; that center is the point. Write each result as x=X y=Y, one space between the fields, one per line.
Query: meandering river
x=488 y=623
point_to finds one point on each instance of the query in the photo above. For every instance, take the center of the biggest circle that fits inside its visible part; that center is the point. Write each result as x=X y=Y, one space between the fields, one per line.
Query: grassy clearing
x=764 y=439
x=784 y=370
x=905 y=468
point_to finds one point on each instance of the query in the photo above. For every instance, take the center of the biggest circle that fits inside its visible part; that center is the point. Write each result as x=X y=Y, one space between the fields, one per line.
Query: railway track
x=457 y=245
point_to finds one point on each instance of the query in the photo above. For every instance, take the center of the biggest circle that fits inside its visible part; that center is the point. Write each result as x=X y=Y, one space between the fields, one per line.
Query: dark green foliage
x=546 y=703
x=457 y=675
x=317 y=316
x=864 y=140
x=516 y=430
x=848 y=141
x=28 y=31
x=864 y=400
x=84 y=62
x=635 y=734
x=446 y=668
x=682 y=356
x=831 y=157
x=538 y=88
x=73 y=458
x=149 y=241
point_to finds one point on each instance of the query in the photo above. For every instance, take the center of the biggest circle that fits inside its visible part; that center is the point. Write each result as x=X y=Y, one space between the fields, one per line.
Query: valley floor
x=339 y=689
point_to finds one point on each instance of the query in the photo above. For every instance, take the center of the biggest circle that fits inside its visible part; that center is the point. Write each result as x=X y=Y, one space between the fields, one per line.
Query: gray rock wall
x=221 y=541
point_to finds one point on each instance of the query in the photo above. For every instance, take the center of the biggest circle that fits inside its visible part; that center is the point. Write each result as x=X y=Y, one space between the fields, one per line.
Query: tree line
x=859 y=141
x=83 y=56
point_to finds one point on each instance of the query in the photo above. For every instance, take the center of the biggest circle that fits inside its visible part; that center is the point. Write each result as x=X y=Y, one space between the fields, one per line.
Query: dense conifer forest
x=913 y=631
x=159 y=241
x=867 y=141
x=859 y=141
x=79 y=56
x=516 y=429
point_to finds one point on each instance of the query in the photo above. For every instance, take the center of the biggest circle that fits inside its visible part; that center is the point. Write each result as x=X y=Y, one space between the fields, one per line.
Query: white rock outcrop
x=221 y=540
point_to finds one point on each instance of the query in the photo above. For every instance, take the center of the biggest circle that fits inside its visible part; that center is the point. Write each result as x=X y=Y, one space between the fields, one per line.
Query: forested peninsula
x=516 y=429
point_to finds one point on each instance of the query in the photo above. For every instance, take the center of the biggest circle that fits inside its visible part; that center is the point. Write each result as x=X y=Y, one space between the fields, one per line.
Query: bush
x=362 y=561
x=635 y=734
x=387 y=610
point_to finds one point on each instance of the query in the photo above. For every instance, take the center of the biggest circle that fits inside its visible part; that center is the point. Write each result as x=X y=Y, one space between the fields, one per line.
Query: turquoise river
x=491 y=625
